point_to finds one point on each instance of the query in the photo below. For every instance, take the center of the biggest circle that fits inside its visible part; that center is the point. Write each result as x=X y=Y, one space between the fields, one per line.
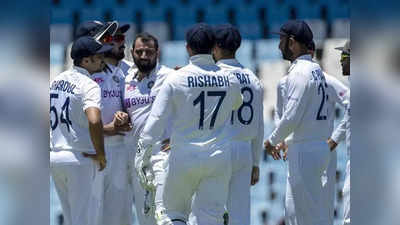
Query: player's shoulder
x=127 y=63
x=165 y=69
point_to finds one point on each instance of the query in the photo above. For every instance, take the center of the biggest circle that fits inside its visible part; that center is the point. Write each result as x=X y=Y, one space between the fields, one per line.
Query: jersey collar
x=302 y=57
x=201 y=59
x=82 y=71
x=229 y=62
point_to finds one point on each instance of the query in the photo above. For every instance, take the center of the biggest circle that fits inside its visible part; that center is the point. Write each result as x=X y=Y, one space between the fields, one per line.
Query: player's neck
x=298 y=55
x=141 y=75
x=111 y=61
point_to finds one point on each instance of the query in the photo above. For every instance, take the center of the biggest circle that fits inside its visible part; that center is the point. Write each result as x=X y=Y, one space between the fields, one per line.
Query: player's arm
x=294 y=111
x=96 y=135
x=152 y=133
x=91 y=107
x=279 y=104
x=256 y=144
x=159 y=115
x=339 y=134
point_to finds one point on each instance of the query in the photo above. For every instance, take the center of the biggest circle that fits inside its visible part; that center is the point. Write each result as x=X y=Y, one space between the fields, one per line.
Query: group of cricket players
x=183 y=144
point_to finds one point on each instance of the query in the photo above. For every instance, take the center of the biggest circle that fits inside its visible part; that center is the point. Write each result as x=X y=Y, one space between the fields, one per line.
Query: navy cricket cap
x=227 y=37
x=200 y=38
x=299 y=29
x=95 y=29
x=87 y=46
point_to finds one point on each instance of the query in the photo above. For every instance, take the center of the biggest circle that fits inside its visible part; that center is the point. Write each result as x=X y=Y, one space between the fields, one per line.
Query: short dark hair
x=78 y=61
x=200 y=38
x=146 y=37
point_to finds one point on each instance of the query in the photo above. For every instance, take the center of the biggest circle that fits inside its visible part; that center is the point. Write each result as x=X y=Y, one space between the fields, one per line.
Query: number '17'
x=201 y=99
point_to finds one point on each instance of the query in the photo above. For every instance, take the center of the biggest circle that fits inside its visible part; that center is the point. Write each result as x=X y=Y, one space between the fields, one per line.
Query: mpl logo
x=99 y=80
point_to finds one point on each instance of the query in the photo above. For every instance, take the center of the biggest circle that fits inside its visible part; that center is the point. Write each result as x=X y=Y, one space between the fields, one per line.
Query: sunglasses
x=116 y=38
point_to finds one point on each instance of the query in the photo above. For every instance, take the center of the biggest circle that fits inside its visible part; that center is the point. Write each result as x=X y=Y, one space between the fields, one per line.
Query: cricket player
x=76 y=131
x=305 y=115
x=200 y=97
x=247 y=125
x=94 y=29
x=140 y=90
x=115 y=57
x=343 y=131
x=117 y=207
x=337 y=93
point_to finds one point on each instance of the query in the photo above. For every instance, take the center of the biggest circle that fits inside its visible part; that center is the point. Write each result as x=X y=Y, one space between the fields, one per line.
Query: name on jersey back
x=208 y=81
x=63 y=85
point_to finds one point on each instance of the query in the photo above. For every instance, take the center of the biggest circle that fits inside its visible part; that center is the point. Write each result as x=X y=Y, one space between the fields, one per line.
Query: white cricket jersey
x=305 y=109
x=248 y=121
x=200 y=97
x=71 y=93
x=111 y=85
x=337 y=93
x=138 y=97
x=125 y=65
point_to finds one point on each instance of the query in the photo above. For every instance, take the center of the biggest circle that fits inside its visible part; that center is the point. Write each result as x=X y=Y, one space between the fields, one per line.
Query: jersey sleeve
x=257 y=143
x=297 y=85
x=279 y=104
x=340 y=132
x=340 y=91
x=161 y=110
x=91 y=96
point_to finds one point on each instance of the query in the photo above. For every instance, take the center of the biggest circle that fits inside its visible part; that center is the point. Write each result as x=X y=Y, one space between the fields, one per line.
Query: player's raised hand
x=255 y=175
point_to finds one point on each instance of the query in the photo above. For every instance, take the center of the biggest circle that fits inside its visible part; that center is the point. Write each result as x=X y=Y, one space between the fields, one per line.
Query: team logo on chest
x=99 y=80
x=115 y=78
x=150 y=84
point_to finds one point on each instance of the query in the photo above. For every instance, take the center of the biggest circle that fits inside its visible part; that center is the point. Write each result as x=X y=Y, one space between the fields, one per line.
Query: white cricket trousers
x=238 y=203
x=158 y=160
x=76 y=181
x=330 y=187
x=193 y=169
x=117 y=208
x=346 y=195
x=305 y=203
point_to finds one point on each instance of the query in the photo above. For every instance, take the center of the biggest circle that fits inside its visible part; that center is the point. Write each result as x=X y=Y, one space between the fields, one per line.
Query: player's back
x=71 y=93
x=203 y=98
x=248 y=117
x=309 y=98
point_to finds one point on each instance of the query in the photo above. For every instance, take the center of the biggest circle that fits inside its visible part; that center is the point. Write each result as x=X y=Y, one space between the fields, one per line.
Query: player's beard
x=118 y=55
x=145 y=66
